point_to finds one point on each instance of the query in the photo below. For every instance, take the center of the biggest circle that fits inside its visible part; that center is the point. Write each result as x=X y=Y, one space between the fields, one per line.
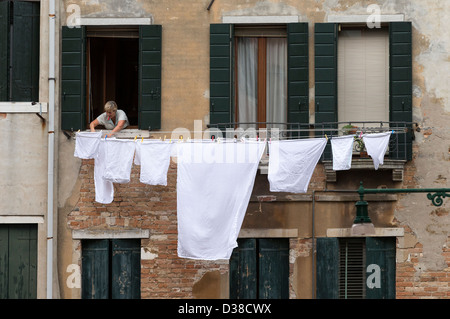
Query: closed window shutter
x=25 y=48
x=400 y=100
x=221 y=73
x=380 y=251
x=327 y=268
x=243 y=284
x=95 y=269
x=4 y=49
x=150 y=76
x=73 y=79
x=273 y=268
x=126 y=269
x=325 y=59
x=298 y=74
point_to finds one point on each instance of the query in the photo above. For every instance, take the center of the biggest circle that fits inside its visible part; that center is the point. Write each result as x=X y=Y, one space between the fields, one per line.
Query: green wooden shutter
x=400 y=86
x=73 y=79
x=243 y=270
x=126 y=269
x=18 y=261
x=380 y=251
x=221 y=73
x=327 y=268
x=150 y=76
x=273 y=268
x=298 y=74
x=25 y=52
x=325 y=59
x=4 y=50
x=95 y=269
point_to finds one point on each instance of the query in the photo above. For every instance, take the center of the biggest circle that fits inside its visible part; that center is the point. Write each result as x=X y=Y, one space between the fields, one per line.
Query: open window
x=111 y=63
x=112 y=71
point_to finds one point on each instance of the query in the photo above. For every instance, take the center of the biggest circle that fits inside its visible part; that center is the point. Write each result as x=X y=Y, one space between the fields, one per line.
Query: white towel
x=342 y=148
x=86 y=144
x=154 y=158
x=376 y=146
x=118 y=160
x=292 y=163
x=104 y=190
x=214 y=184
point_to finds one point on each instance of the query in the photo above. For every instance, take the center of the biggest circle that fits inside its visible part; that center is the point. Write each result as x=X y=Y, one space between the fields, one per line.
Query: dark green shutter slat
x=325 y=59
x=273 y=268
x=221 y=73
x=4 y=50
x=25 y=48
x=298 y=74
x=327 y=268
x=400 y=86
x=150 y=76
x=73 y=79
x=4 y=261
x=126 y=269
x=243 y=272
x=95 y=269
x=381 y=251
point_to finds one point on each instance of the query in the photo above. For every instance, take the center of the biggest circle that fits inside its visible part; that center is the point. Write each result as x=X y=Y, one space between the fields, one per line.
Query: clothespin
x=78 y=131
x=326 y=137
x=142 y=139
x=270 y=139
x=164 y=137
x=135 y=138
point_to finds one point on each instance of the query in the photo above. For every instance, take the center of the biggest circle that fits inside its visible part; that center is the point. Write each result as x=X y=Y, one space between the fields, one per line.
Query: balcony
x=397 y=154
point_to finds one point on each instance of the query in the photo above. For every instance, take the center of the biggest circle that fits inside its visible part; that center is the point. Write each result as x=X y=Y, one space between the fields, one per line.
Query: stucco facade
x=149 y=213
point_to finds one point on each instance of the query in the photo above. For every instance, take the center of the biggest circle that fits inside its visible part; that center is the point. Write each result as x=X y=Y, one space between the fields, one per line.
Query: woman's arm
x=118 y=128
x=93 y=124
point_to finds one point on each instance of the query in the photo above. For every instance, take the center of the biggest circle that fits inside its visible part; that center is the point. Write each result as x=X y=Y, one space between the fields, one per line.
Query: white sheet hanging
x=214 y=184
x=342 y=147
x=376 y=146
x=86 y=144
x=292 y=163
x=104 y=190
x=118 y=160
x=154 y=158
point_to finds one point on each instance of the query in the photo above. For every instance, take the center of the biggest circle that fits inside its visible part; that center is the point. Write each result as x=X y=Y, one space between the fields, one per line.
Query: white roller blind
x=363 y=75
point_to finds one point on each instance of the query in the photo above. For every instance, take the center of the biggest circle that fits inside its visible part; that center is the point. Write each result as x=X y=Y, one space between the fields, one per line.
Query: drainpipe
x=51 y=145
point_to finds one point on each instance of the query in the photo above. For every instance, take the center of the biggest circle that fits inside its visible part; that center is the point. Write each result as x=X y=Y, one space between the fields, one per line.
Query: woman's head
x=110 y=108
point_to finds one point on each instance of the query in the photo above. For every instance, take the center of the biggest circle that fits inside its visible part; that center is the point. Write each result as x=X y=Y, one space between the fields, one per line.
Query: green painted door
x=111 y=269
x=18 y=261
x=259 y=269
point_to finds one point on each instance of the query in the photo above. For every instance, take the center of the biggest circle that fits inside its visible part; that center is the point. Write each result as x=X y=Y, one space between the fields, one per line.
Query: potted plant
x=349 y=129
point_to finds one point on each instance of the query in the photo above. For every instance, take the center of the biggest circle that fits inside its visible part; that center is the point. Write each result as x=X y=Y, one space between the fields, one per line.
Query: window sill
x=23 y=107
x=397 y=167
x=379 y=232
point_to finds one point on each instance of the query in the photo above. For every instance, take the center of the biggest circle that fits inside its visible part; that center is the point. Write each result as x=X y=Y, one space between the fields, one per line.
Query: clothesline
x=214 y=179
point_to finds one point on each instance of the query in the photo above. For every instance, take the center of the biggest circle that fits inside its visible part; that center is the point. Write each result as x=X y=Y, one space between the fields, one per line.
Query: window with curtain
x=261 y=80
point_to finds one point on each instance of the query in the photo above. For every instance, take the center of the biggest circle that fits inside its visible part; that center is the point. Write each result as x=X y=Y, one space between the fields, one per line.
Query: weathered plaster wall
x=185 y=98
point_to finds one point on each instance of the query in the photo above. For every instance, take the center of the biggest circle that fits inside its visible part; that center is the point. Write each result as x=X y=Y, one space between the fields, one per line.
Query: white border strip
x=23 y=107
x=363 y=18
x=259 y=19
x=113 y=21
x=109 y=234
x=21 y=219
x=379 y=232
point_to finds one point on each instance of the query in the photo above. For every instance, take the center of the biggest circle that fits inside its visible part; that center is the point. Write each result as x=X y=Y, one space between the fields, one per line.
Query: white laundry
x=118 y=160
x=86 y=144
x=342 y=148
x=154 y=158
x=292 y=163
x=214 y=185
x=104 y=190
x=376 y=146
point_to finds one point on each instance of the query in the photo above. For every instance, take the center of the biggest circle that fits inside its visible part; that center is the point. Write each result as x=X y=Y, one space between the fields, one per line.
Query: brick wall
x=136 y=205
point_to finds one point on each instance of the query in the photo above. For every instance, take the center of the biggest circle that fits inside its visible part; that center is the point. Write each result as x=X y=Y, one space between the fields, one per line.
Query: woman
x=112 y=119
